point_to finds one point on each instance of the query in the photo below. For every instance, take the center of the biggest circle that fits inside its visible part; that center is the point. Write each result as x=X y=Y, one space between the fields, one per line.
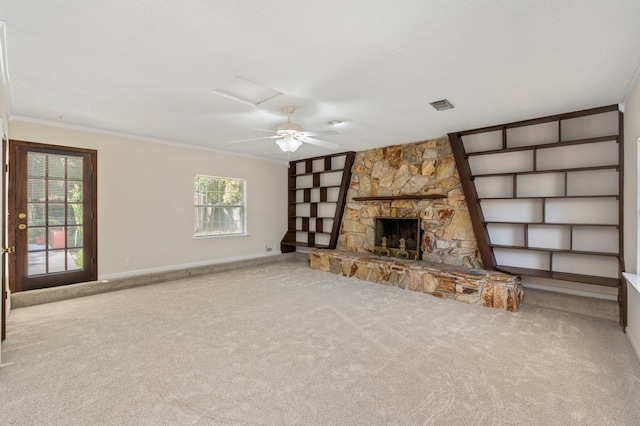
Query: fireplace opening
x=398 y=238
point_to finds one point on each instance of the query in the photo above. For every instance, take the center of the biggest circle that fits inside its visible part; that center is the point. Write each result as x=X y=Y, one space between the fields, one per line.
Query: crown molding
x=97 y=130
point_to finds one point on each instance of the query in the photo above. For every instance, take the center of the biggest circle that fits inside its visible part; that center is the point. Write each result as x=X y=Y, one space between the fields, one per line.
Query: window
x=220 y=206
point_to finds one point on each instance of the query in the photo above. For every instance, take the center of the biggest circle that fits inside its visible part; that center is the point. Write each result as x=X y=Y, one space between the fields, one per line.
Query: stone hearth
x=474 y=286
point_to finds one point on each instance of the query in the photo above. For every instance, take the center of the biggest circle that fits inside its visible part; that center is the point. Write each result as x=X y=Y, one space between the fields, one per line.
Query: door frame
x=3 y=258
x=12 y=213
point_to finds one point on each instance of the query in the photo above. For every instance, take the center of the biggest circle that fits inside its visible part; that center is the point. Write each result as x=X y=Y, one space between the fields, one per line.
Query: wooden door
x=52 y=193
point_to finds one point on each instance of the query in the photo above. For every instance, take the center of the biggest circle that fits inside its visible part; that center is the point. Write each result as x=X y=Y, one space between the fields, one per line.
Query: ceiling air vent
x=441 y=105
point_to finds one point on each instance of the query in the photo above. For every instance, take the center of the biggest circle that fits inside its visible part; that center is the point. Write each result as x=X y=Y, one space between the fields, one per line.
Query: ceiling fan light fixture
x=289 y=144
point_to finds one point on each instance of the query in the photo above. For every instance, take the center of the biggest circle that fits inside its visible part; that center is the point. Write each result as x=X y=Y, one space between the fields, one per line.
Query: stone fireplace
x=403 y=174
x=414 y=192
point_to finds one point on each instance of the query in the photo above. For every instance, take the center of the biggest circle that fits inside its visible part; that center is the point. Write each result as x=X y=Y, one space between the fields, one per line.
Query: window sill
x=632 y=279
x=208 y=237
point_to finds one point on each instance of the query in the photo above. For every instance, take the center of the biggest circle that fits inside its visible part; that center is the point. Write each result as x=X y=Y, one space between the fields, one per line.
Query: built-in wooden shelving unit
x=545 y=196
x=317 y=194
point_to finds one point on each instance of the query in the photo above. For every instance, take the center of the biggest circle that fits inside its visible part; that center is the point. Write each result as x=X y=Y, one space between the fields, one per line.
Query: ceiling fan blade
x=323 y=144
x=321 y=133
x=264 y=130
x=255 y=139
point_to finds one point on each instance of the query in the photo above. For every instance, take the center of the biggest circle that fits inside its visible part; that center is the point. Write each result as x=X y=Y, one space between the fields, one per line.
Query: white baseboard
x=634 y=344
x=185 y=266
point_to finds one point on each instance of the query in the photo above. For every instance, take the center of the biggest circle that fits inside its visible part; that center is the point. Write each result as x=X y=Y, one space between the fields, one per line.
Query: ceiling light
x=247 y=92
x=288 y=143
x=335 y=122
x=442 y=104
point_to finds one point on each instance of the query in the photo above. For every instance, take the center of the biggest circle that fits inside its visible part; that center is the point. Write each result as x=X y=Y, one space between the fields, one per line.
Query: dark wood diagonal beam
x=469 y=189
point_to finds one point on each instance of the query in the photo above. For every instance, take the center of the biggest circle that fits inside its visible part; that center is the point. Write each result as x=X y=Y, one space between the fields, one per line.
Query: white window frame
x=198 y=204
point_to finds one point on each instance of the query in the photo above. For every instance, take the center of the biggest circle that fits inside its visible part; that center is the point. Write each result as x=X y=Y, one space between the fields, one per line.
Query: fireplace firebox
x=398 y=237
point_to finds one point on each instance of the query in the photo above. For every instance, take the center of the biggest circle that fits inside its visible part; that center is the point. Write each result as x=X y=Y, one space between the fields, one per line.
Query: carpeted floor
x=282 y=344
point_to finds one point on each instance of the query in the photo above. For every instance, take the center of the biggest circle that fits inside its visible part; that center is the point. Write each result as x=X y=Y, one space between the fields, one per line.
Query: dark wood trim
x=609 y=138
x=612 y=225
x=622 y=294
x=342 y=198
x=401 y=197
x=549 y=171
x=561 y=197
x=541 y=120
x=569 y=251
x=563 y=276
x=469 y=189
x=3 y=258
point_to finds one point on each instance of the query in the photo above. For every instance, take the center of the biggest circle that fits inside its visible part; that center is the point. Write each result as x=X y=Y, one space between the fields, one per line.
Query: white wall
x=145 y=200
x=631 y=136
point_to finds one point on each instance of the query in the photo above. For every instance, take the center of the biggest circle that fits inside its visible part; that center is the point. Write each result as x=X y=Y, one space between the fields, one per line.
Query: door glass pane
x=74 y=214
x=57 y=238
x=74 y=192
x=74 y=236
x=57 y=261
x=36 y=165
x=37 y=239
x=57 y=167
x=56 y=191
x=35 y=215
x=36 y=190
x=37 y=263
x=74 y=168
x=56 y=214
x=74 y=260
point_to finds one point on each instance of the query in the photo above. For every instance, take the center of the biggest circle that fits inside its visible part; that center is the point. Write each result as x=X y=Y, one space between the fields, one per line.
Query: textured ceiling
x=149 y=68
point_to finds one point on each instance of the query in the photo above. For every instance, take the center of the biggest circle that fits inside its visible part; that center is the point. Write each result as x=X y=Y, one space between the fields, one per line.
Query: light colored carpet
x=282 y=344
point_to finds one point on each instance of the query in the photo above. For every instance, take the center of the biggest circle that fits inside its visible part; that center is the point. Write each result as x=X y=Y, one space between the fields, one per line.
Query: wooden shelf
x=564 y=276
x=312 y=202
x=562 y=197
x=489 y=222
x=545 y=145
x=314 y=217
x=401 y=197
x=550 y=250
x=549 y=171
x=312 y=232
x=300 y=244
x=316 y=173
x=314 y=187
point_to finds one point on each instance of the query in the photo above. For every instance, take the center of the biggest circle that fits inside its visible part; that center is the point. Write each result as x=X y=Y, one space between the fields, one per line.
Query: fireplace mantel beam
x=401 y=197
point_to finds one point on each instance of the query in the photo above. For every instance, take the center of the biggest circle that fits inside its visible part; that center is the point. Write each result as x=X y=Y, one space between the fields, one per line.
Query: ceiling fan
x=289 y=136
